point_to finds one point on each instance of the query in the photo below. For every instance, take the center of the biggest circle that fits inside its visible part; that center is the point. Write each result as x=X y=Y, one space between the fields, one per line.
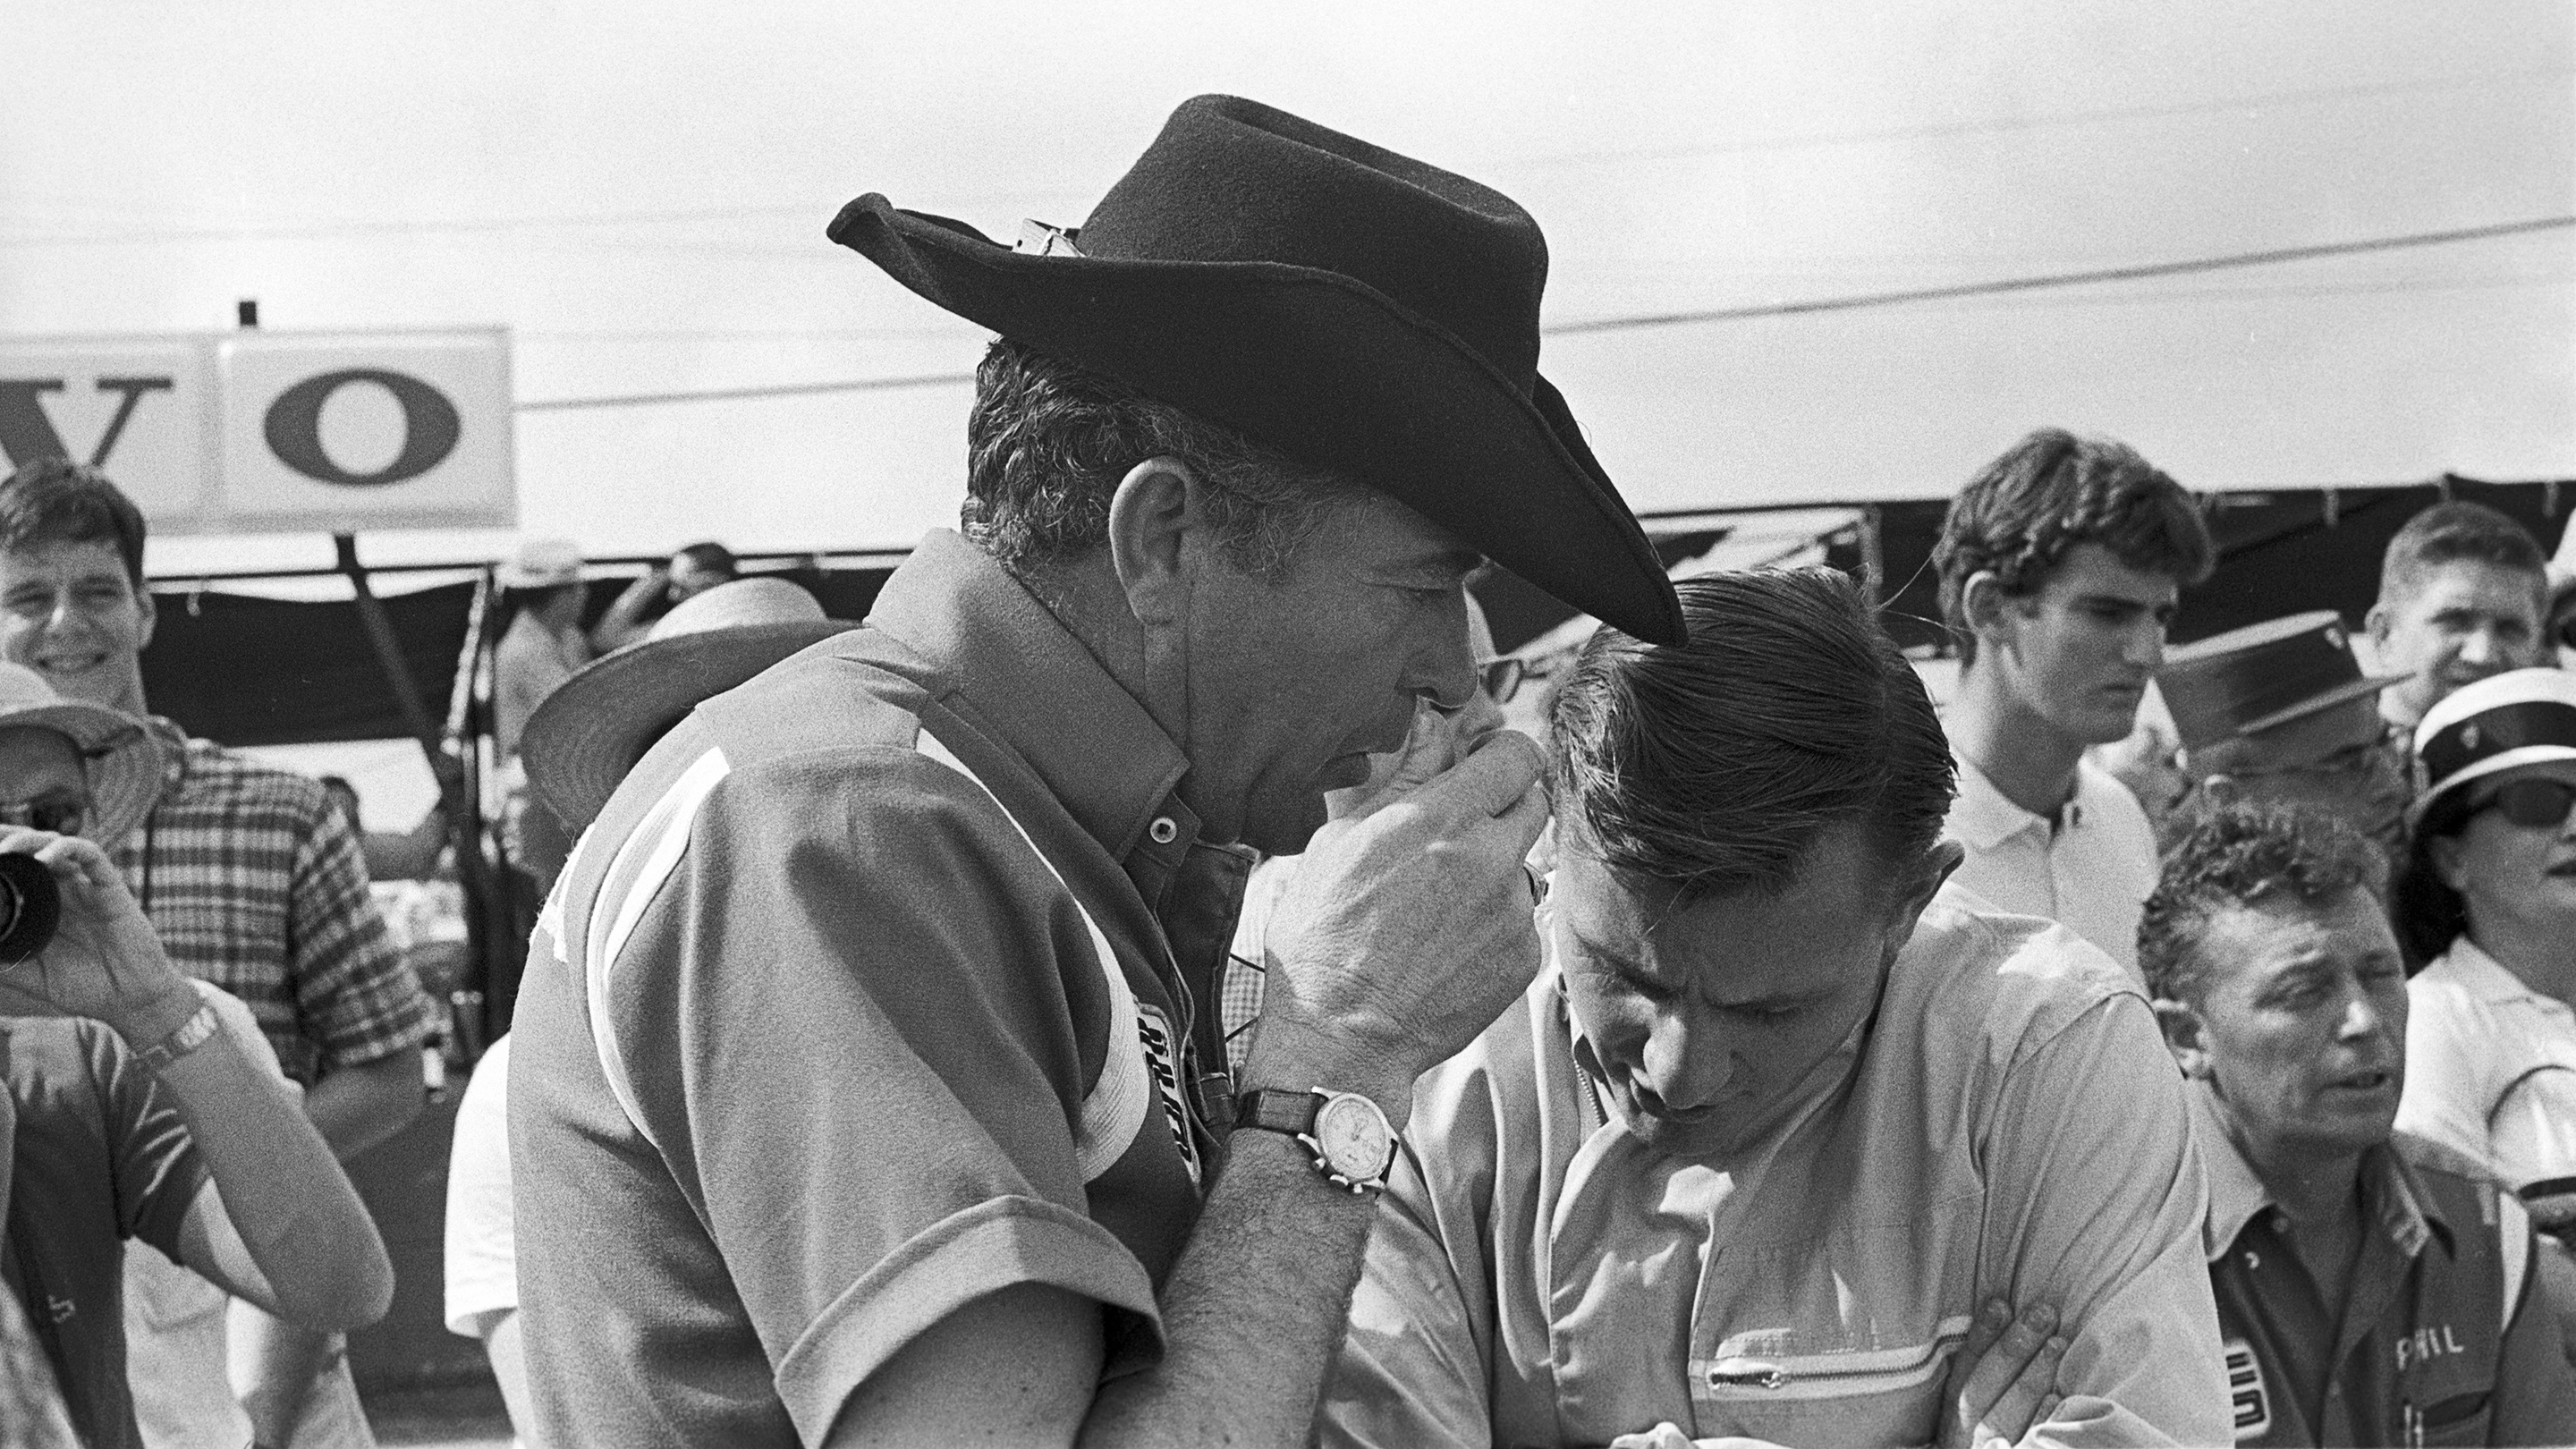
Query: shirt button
x=1164 y=830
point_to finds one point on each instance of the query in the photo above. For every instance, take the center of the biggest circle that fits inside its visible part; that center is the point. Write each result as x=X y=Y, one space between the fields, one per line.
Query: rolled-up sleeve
x=2097 y=1195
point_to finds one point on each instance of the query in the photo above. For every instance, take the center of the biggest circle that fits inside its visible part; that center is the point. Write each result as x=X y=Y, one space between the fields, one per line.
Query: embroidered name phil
x=2436 y=1341
x=1164 y=1062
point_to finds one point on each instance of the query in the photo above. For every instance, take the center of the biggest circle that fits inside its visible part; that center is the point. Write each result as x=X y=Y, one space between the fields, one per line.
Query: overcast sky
x=638 y=192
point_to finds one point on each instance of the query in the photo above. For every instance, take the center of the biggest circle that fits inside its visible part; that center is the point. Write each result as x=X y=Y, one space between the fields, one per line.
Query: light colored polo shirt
x=2009 y=1125
x=855 y=1004
x=2491 y=1074
x=2091 y=871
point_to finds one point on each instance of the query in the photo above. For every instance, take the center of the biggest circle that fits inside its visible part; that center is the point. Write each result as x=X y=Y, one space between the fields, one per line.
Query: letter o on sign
x=294 y=427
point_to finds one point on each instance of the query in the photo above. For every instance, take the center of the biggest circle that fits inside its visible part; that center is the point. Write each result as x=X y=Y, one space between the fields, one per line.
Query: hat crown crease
x=1231 y=180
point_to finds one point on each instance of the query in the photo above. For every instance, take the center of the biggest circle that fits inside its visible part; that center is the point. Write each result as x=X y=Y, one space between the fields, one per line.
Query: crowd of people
x=1166 y=978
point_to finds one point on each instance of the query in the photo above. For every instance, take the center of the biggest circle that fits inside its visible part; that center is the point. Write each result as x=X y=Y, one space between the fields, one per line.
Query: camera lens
x=31 y=905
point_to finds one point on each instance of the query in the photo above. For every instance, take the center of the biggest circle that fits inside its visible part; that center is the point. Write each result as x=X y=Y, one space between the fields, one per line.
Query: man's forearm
x=291 y=1206
x=356 y=1107
x=1254 y=1311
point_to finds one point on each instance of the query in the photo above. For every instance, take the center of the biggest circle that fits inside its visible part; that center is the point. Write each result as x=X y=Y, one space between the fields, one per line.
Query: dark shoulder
x=2441 y=1167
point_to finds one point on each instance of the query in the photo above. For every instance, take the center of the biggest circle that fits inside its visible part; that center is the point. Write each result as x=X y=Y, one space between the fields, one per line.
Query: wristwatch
x=1354 y=1146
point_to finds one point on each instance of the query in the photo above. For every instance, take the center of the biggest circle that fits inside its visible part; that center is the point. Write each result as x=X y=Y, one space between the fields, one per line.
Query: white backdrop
x=638 y=191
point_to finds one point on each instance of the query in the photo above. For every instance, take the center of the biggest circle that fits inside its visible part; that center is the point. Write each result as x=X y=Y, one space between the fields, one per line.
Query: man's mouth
x=70 y=663
x=2369 y=1079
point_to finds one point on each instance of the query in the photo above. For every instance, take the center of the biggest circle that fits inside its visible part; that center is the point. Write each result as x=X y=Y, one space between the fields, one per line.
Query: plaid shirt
x=257 y=886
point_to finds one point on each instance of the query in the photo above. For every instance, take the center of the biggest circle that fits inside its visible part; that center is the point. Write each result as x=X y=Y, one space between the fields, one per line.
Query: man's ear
x=1983 y=600
x=1936 y=870
x=2377 y=623
x=2186 y=1036
x=1150 y=516
x=149 y=615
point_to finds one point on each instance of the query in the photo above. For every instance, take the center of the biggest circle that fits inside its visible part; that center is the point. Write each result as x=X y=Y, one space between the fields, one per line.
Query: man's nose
x=2480 y=647
x=2361 y=1019
x=2147 y=645
x=1687 y=1068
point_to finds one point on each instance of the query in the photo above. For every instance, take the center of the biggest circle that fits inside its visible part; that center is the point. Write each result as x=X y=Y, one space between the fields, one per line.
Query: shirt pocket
x=1846 y=1338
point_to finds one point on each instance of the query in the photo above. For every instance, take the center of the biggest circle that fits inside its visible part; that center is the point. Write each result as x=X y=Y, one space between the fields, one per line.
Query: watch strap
x=1274 y=1109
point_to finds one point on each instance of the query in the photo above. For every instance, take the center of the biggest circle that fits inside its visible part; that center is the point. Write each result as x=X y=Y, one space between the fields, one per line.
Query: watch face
x=1352 y=1135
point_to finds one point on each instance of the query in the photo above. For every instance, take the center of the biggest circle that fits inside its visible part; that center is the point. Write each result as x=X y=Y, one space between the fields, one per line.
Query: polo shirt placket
x=2090 y=870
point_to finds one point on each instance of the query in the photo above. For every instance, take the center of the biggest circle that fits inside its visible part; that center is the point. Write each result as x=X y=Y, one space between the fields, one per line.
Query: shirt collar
x=1983 y=818
x=2405 y=1214
x=2481 y=975
x=1023 y=676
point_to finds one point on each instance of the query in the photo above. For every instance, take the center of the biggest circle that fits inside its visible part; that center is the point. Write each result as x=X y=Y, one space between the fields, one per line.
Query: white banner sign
x=270 y=432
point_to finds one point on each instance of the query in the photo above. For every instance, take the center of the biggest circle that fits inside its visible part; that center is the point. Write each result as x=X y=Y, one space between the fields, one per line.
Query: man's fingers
x=2001 y=1365
x=1498 y=775
x=2026 y=1400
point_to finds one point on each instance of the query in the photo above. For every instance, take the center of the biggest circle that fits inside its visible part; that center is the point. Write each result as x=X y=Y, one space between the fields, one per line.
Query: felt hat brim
x=580 y=742
x=124 y=765
x=2366 y=685
x=1323 y=368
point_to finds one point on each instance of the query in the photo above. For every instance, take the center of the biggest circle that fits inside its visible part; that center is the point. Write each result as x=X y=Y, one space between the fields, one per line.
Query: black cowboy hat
x=1355 y=309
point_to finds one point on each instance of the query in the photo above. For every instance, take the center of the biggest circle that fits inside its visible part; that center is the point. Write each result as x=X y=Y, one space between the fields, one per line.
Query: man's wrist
x=153 y=1019
x=200 y=1027
x=1300 y=1060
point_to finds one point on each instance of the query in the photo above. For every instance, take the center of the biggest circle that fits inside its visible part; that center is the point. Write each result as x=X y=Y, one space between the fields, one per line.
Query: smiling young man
x=257 y=887
x=1783 y=1116
x=868 y=1084
x=2060 y=566
x=2373 y=1288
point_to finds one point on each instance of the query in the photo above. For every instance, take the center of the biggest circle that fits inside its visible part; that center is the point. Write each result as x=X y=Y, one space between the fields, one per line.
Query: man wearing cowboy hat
x=160 y=1118
x=867 y=1085
x=577 y=746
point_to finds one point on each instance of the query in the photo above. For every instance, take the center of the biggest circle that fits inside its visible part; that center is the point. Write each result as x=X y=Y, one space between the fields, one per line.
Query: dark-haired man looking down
x=1782 y=1117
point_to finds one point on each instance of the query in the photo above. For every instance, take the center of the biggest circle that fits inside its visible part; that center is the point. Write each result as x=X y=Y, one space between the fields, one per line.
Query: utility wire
x=1716 y=314
x=2060 y=279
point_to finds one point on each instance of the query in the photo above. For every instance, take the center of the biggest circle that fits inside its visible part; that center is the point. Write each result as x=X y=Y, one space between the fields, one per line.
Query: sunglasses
x=2531 y=804
x=62 y=817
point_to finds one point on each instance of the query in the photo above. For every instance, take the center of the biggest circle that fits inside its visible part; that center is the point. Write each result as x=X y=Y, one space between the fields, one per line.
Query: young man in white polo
x=2060 y=567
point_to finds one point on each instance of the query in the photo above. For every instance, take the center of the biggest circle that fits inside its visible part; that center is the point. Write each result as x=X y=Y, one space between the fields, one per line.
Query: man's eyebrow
x=1614 y=959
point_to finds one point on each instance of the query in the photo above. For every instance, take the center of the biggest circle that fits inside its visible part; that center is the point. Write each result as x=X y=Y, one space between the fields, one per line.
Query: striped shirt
x=256 y=886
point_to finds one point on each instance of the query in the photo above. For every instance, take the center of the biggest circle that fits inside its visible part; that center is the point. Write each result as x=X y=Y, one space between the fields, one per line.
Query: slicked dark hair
x=2457 y=530
x=1712 y=767
x=710 y=558
x=55 y=500
x=2245 y=854
x=1048 y=443
x=2052 y=491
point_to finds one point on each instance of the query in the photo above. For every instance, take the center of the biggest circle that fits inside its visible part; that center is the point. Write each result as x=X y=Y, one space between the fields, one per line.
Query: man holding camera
x=256 y=886
x=136 y=1107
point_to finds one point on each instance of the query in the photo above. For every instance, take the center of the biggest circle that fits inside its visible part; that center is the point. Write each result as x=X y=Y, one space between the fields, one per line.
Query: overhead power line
x=719 y=394
x=2144 y=271
x=2140 y=272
